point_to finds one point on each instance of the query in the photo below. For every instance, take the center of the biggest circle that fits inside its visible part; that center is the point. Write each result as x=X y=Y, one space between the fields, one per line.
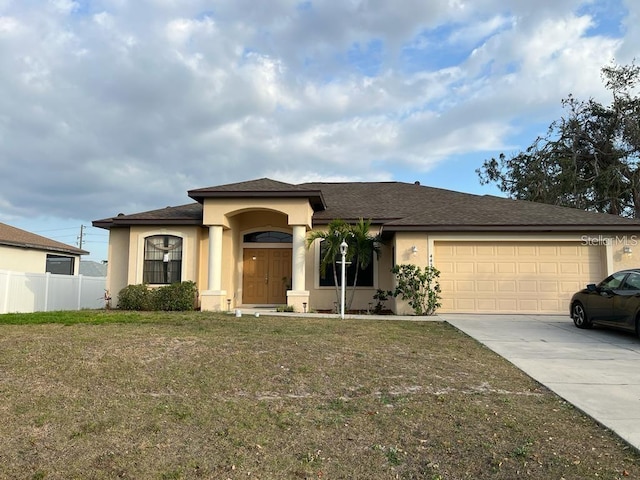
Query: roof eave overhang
x=44 y=248
x=113 y=223
x=512 y=228
x=315 y=197
x=374 y=221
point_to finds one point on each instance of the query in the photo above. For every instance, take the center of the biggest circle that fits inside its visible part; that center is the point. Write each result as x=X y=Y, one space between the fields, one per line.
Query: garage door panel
x=548 y=250
x=486 y=286
x=505 y=286
x=464 y=250
x=527 y=286
x=570 y=268
x=526 y=267
x=571 y=287
x=446 y=267
x=464 y=267
x=505 y=277
x=550 y=305
x=526 y=250
x=485 y=250
x=510 y=267
x=572 y=251
x=527 y=305
x=486 y=267
x=463 y=304
x=548 y=287
x=548 y=267
x=485 y=304
x=507 y=305
x=464 y=286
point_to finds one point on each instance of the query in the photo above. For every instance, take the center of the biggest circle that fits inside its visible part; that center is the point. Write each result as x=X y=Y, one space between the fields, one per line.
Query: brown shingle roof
x=261 y=188
x=189 y=214
x=405 y=206
x=396 y=206
x=16 y=237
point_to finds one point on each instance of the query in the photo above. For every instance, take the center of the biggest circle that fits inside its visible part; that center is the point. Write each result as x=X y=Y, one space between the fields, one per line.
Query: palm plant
x=338 y=231
x=364 y=245
x=361 y=246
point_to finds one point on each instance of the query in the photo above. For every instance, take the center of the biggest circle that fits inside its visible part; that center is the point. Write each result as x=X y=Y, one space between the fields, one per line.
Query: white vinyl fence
x=46 y=292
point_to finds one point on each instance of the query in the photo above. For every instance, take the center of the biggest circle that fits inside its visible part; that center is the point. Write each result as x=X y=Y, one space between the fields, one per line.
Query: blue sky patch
x=607 y=17
x=367 y=59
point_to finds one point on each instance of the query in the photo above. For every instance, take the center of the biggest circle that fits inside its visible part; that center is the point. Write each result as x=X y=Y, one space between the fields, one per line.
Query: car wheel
x=638 y=326
x=579 y=316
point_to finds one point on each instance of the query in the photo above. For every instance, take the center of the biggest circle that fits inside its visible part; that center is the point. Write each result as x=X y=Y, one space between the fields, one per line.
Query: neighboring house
x=22 y=251
x=89 y=268
x=244 y=244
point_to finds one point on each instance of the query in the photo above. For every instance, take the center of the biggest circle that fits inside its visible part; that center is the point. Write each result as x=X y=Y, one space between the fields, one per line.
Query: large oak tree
x=588 y=159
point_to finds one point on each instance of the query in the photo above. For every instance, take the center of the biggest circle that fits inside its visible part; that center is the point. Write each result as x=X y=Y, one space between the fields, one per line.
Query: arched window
x=268 y=237
x=162 y=260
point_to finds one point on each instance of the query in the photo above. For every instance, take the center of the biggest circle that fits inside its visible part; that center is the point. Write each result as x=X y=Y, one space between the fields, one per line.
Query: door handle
x=266 y=279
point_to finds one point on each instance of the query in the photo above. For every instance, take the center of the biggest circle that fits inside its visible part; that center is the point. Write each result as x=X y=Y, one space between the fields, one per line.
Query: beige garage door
x=507 y=277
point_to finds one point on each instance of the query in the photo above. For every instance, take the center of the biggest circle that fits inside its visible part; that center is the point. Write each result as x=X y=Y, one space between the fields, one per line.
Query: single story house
x=89 y=268
x=22 y=251
x=244 y=244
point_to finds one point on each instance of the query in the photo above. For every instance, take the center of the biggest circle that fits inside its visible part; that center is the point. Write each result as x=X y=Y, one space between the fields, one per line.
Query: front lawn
x=200 y=395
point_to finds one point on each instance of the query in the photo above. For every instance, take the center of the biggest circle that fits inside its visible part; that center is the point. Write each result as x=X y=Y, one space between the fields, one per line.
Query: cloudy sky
x=111 y=106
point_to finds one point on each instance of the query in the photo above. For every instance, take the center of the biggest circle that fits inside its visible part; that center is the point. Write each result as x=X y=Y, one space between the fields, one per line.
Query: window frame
x=146 y=275
x=373 y=265
x=71 y=260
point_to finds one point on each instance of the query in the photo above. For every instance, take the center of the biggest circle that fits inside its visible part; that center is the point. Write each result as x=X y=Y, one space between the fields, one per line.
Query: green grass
x=106 y=395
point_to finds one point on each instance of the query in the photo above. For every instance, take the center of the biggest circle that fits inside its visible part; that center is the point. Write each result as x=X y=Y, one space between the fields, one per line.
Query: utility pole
x=80 y=237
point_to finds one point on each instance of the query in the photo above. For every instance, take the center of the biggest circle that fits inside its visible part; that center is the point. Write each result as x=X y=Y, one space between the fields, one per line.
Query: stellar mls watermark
x=631 y=240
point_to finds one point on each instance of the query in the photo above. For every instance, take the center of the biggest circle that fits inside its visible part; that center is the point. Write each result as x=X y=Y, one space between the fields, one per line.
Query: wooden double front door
x=266 y=275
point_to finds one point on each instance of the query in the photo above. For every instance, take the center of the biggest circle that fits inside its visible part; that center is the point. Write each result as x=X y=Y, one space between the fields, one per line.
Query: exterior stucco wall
x=220 y=211
x=29 y=260
x=118 y=264
x=190 y=261
x=618 y=257
x=23 y=260
x=126 y=254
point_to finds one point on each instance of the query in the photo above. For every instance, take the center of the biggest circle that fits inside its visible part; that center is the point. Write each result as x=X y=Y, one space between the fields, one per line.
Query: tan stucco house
x=22 y=251
x=244 y=244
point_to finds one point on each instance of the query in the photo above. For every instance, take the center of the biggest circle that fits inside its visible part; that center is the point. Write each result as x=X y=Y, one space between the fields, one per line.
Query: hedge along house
x=244 y=244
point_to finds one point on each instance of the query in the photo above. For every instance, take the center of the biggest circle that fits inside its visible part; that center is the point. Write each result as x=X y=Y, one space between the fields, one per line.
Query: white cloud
x=119 y=106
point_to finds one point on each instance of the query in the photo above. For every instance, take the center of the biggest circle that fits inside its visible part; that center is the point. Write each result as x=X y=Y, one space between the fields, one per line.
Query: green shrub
x=420 y=288
x=284 y=308
x=135 y=297
x=175 y=297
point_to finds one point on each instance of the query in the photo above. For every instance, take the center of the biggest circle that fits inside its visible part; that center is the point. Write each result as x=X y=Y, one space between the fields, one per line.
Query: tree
x=588 y=159
x=361 y=246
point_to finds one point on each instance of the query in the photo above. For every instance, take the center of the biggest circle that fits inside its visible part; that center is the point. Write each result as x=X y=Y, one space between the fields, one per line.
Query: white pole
x=343 y=251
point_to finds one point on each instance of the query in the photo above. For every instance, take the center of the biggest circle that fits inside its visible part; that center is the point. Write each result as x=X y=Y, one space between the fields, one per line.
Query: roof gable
x=261 y=188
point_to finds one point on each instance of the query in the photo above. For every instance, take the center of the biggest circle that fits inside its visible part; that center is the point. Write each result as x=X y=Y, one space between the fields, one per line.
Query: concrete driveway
x=596 y=370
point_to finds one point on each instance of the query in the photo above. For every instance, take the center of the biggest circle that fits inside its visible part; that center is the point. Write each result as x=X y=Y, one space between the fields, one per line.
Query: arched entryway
x=266 y=267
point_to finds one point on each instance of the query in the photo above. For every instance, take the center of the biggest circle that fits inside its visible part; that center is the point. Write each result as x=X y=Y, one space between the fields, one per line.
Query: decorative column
x=214 y=298
x=215 y=258
x=298 y=296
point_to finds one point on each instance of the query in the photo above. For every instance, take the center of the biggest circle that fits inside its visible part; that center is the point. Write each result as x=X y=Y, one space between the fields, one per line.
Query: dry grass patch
x=180 y=396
